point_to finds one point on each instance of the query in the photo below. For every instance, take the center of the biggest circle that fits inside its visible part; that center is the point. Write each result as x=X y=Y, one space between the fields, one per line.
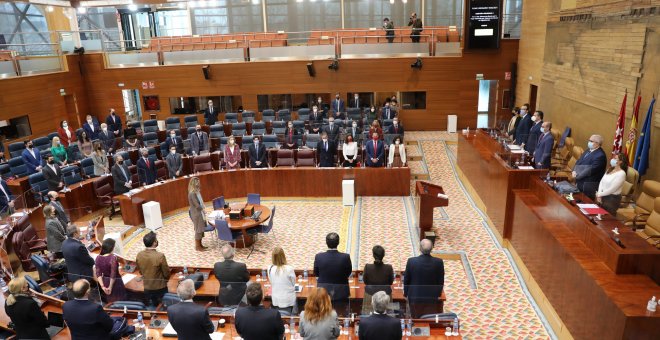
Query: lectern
x=427 y=199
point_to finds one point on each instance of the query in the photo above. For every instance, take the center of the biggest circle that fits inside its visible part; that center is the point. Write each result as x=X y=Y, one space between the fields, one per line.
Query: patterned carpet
x=496 y=305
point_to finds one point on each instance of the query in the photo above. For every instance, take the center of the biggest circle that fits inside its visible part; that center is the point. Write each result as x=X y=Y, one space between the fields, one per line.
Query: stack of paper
x=592 y=209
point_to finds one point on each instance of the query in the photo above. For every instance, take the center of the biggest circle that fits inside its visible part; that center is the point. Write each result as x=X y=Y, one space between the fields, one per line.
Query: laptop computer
x=56 y=321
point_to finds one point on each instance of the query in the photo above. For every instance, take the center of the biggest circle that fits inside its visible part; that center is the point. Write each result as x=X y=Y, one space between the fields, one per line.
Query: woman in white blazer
x=283 y=280
x=397 y=157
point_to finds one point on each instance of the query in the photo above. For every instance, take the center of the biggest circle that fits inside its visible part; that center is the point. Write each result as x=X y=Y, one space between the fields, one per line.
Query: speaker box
x=207 y=72
x=310 y=69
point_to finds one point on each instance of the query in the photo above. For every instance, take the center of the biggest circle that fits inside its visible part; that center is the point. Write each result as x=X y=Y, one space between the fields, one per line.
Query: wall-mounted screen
x=484 y=22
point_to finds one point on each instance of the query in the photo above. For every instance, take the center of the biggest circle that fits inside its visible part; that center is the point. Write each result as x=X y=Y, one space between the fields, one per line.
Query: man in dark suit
x=78 y=262
x=53 y=174
x=354 y=131
x=146 y=169
x=332 y=130
x=379 y=325
x=423 y=281
x=255 y=322
x=31 y=157
x=543 y=149
x=326 y=150
x=232 y=276
x=199 y=141
x=591 y=166
x=356 y=102
x=154 y=268
x=332 y=269
x=190 y=321
x=338 y=107
x=121 y=176
x=315 y=120
x=522 y=131
x=289 y=137
x=114 y=123
x=375 y=150
x=174 y=163
x=534 y=132
x=86 y=319
x=395 y=128
x=417 y=28
x=107 y=138
x=258 y=154
x=210 y=114
x=92 y=128
x=6 y=198
x=388 y=112
x=60 y=213
x=173 y=139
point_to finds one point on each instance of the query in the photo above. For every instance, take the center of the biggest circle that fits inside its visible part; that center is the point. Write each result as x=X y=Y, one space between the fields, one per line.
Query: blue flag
x=644 y=143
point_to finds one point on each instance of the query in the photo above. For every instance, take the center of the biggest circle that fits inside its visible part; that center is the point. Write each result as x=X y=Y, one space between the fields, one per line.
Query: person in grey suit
x=100 y=160
x=190 y=320
x=174 y=163
x=60 y=213
x=199 y=141
x=121 y=176
x=379 y=326
x=332 y=130
x=55 y=232
x=232 y=276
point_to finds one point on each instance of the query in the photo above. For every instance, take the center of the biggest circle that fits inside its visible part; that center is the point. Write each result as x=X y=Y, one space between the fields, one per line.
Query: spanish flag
x=631 y=143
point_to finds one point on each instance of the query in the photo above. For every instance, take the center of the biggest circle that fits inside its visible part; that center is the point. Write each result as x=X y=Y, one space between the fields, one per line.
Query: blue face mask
x=590 y=145
x=613 y=162
x=542 y=130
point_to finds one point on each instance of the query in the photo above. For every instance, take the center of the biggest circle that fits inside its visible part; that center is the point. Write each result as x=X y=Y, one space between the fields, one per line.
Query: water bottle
x=454 y=330
x=292 y=326
x=185 y=271
x=403 y=327
x=3 y=285
x=139 y=318
x=346 y=325
x=305 y=275
x=264 y=277
x=409 y=327
x=547 y=177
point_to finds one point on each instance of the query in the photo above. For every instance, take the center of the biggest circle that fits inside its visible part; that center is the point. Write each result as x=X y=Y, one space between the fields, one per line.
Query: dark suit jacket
x=533 y=138
x=360 y=103
x=262 y=156
x=92 y=135
x=259 y=323
x=198 y=144
x=522 y=131
x=146 y=174
x=108 y=140
x=61 y=215
x=53 y=178
x=379 y=327
x=4 y=203
x=357 y=135
x=379 y=152
x=179 y=144
x=398 y=130
x=174 y=163
x=326 y=158
x=332 y=269
x=590 y=168
x=190 y=321
x=388 y=113
x=333 y=133
x=29 y=321
x=543 y=151
x=424 y=278
x=338 y=107
x=87 y=320
x=378 y=277
x=78 y=262
x=31 y=162
x=210 y=117
x=232 y=276
x=114 y=125
x=119 y=179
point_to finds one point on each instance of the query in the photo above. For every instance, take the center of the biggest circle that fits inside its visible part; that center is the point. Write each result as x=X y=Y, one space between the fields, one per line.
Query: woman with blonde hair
x=319 y=320
x=29 y=321
x=232 y=154
x=283 y=280
x=196 y=212
x=58 y=151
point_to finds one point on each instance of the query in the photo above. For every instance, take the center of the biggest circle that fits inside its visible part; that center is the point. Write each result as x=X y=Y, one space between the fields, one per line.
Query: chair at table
x=231 y=117
x=16 y=149
x=306 y=157
x=253 y=199
x=226 y=234
x=268 y=115
x=303 y=114
x=258 y=128
x=150 y=125
x=651 y=231
x=131 y=305
x=17 y=167
x=39 y=186
x=217 y=130
x=173 y=123
x=87 y=165
x=311 y=140
x=190 y=121
x=202 y=163
x=266 y=229
x=33 y=241
x=219 y=203
x=285 y=157
x=161 y=170
x=41 y=143
x=105 y=194
x=636 y=216
x=169 y=299
x=71 y=174
x=247 y=116
x=270 y=141
x=284 y=115
x=22 y=251
x=629 y=186
x=279 y=127
x=150 y=138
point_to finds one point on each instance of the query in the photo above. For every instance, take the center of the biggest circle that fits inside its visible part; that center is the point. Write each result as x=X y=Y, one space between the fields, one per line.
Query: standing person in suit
x=534 y=132
x=543 y=149
x=28 y=319
x=114 y=123
x=31 y=157
x=258 y=154
x=146 y=169
x=196 y=212
x=395 y=128
x=377 y=276
x=388 y=26
x=513 y=123
x=199 y=141
x=315 y=120
x=375 y=151
x=319 y=320
x=338 y=107
x=60 y=213
x=210 y=114
x=522 y=131
x=100 y=160
x=332 y=269
x=232 y=276
x=379 y=325
x=174 y=163
x=6 y=198
x=388 y=112
x=332 y=130
x=155 y=271
x=190 y=320
x=590 y=168
x=86 y=319
x=53 y=174
x=66 y=134
x=255 y=322
x=289 y=139
x=121 y=176
x=232 y=154
x=326 y=150
x=417 y=28
x=423 y=281
x=107 y=138
x=78 y=262
x=91 y=127
x=55 y=232
x=174 y=140
x=354 y=131
x=356 y=102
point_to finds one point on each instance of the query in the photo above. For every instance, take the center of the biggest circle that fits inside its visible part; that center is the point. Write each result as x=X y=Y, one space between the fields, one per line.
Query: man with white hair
x=379 y=326
x=107 y=137
x=591 y=166
x=189 y=320
x=423 y=281
x=232 y=276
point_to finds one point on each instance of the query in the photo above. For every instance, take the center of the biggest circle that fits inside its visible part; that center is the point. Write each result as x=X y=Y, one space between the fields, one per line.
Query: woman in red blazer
x=66 y=138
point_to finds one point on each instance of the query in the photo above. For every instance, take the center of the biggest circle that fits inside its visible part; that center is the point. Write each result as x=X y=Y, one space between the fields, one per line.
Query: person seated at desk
x=174 y=163
x=121 y=176
x=114 y=123
x=91 y=127
x=107 y=273
x=107 y=138
x=590 y=168
x=53 y=174
x=543 y=150
x=326 y=150
x=377 y=276
x=55 y=232
x=282 y=277
x=332 y=269
x=254 y=322
x=232 y=276
x=232 y=154
x=190 y=320
x=155 y=271
x=66 y=134
x=319 y=320
x=175 y=141
x=86 y=319
x=289 y=140
x=395 y=128
x=100 y=160
x=28 y=319
x=58 y=151
x=397 y=154
x=6 y=198
x=609 y=188
x=60 y=213
x=379 y=325
x=79 y=264
x=349 y=151
x=146 y=169
x=315 y=120
x=423 y=281
x=85 y=144
x=31 y=157
x=199 y=141
x=375 y=151
x=258 y=154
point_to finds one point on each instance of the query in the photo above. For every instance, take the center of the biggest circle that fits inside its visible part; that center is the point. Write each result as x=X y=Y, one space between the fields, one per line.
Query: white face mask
x=354 y=125
x=395 y=123
x=104 y=129
x=256 y=143
x=534 y=118
x=325 y=140
x=319 y=100
x=372 y=110
x=356 y=97
x=396 y=142
x=315 y=110
x=65 y=125
x=173 y=151
x=613 y=162
x=172 y=136
x=89 y=121
x=290 y=126
x=523 y=111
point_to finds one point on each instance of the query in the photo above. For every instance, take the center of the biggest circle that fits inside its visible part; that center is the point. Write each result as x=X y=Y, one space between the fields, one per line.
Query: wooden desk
x=277 y=182
x=18 y=188
x=80 y=200
x=246 y=223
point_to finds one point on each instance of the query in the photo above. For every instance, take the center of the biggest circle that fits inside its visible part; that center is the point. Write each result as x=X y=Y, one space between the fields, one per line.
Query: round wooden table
x=245 y=224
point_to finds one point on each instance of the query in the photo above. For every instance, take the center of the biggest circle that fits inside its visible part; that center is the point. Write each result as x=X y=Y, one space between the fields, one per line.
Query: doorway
x=131 y=99
x=487 y=103
x=533 y=90
x=137 y=27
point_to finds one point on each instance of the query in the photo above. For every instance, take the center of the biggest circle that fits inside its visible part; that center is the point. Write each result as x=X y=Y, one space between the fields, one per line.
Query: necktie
x=290 y=136
x=174 y=141
x=147 y=161
x=325 y=145
x=374 y=147
x=123 y=172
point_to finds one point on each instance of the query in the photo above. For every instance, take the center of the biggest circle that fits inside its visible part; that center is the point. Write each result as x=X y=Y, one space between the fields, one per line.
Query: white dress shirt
x=283 y=282
x=611 y=184
x=349 y=150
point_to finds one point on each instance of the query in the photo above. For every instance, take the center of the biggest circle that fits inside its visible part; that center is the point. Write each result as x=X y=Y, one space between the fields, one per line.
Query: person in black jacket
x=424 y=280
x=522 y=130
x=53 y=174
x=591 y=167
x=86 y=319
x=377 y=277
x=379 y=325
x=28 y=319
x=258 y=154
x=255 y=322
x=114 y=123
x=79 y=264
x=121 y=176
x=189 y=320
x=146 y=169
x=326 y=150
x=332 y=269
x=232 y=276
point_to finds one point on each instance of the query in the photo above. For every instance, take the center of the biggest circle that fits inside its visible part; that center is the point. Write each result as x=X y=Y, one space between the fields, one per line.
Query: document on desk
x=518 y=151
x=126 y=278
x=592 y=209
x=513 y=147
x=525 y=167
x=217 y=336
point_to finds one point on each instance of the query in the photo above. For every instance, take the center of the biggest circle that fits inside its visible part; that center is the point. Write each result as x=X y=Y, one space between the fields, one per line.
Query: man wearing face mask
x=395 y=128
x=338 y=107
x=543 y=148
x=60 y=213
x=388 y=26
x=258 y=154
x=375 y=150
x=121 y=176
x=114 y=123
x=107 y=138
x=53 y=174
x=66 y=134
x=199 y=141
x=315 y=120
x=92 y=128
x=417 y=28
x=326 y=150
x=356 y=102
x=31 y=157
x=534 y=132
x=174 y=140
x=354 y=131
x=522 y=131
x=332 y=130
x=210 y=114
x=174 y=163
x=289 y=139
x=591 y=166
x=388 y=111
x=146 y=169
